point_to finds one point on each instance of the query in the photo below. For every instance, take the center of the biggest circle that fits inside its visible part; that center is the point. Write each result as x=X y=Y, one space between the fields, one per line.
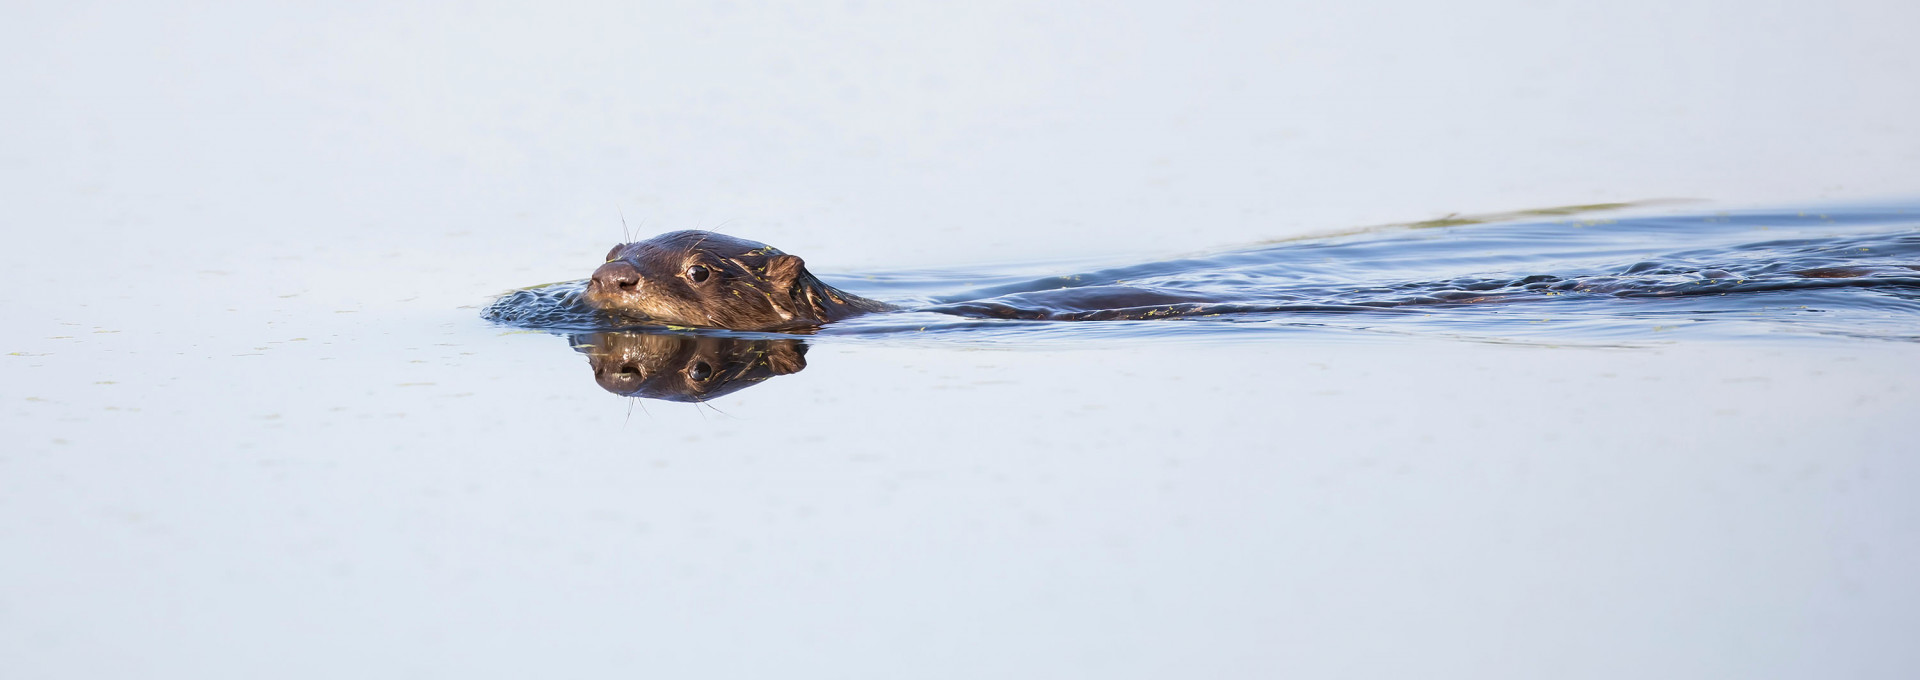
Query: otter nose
x=616 y=277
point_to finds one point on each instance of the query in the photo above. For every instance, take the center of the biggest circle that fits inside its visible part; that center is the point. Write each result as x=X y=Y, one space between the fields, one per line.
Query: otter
x=708 y=280
x=700 y=278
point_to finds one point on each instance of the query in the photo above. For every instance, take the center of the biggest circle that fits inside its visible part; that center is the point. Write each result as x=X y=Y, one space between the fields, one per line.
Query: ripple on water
x=1562 y=279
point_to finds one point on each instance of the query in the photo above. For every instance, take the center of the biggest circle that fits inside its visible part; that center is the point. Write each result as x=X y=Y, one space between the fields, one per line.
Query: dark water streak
x=1848 y=272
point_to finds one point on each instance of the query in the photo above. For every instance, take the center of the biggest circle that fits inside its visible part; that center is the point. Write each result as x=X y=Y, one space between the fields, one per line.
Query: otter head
x=699 y=278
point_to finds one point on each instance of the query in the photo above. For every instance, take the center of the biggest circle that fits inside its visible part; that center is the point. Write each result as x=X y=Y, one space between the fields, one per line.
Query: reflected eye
x=698 y=273
x=699 y=371
x=615 y=253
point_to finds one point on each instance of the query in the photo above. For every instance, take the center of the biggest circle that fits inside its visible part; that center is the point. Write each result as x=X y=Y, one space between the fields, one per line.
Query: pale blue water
x=253 y=423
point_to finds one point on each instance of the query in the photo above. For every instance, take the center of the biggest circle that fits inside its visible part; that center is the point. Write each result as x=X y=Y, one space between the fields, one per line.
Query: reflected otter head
x=699 y=278
x=685 y=367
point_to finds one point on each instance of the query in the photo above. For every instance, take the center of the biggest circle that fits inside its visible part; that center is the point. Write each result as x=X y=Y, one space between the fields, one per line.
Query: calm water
x=257 y=423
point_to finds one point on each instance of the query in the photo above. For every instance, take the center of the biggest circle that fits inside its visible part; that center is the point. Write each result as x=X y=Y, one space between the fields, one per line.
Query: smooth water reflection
x=682 y=367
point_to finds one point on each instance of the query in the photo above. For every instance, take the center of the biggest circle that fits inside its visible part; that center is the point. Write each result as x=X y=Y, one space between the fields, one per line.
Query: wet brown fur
x=746 y=286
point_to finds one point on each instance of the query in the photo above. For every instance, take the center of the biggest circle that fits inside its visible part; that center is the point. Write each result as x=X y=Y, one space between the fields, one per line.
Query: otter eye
x=699 y=371
x=615 y=253
x=698 y=273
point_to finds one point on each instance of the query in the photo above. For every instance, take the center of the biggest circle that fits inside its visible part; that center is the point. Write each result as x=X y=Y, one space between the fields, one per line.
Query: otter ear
x=783 y=270
x=786 y=357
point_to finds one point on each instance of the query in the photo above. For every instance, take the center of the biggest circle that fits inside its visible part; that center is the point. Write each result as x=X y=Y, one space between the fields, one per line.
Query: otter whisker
x=710 y=405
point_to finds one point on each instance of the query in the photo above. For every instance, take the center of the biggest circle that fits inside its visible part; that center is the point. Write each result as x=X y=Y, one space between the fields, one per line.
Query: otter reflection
x=688 y=368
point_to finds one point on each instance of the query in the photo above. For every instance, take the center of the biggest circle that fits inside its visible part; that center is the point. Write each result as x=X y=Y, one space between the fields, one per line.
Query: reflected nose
x=616 y=277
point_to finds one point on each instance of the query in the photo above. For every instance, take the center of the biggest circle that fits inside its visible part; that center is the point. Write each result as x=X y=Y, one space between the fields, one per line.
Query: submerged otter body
x=699 y=278
x=709 y=280
x=703 y=279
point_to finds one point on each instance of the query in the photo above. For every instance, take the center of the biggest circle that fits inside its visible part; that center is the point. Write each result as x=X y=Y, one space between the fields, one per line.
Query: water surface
x=255 y=424
x=1582 y=278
